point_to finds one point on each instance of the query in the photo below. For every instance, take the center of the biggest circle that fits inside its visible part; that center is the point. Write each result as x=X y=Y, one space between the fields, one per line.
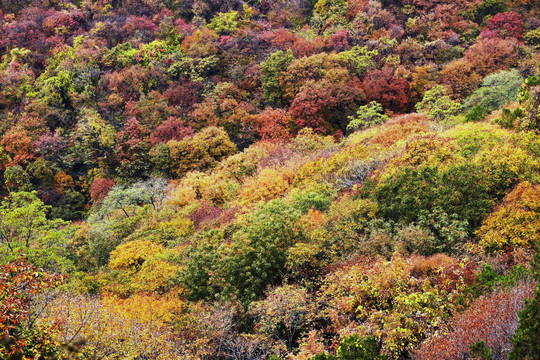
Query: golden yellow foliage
x=516 y=223
x=307 y=141
x=149 y=309
x=155 y=275
x=428 y=150
x=313 y=172
x=182 y=195
x=475 y=136
x=117 y=329
x=132 y=255
x=268 y=184
x=362 y=137
x=180 y=226
x=507 y=163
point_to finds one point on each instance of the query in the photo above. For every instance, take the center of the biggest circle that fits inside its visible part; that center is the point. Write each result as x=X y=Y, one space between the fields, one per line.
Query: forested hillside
x=287 y=179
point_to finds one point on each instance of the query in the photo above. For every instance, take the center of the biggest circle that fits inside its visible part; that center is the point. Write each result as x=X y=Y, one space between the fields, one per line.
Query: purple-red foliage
x=171 y=129
x=39 y=29
x=132 y=147
x=184 y=95
x=205 y=213
x=132 y=137
x=141 y=7
x=20 y=33
x=49 y=144
x=71 y=23
x=340 y=40
x=278 y=156
x=504 y=25
x=139 y=24
x=163 y=14
x=183 y=27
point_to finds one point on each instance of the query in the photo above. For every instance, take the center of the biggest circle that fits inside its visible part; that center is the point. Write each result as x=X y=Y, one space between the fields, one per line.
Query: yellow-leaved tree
x=516 y=223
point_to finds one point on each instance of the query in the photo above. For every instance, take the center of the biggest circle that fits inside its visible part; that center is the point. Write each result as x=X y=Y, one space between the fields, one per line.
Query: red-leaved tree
x=504 y=25
x=326 y=109
x=388 y=88
x=100 y=188
x=133 y=146
x=21 y=337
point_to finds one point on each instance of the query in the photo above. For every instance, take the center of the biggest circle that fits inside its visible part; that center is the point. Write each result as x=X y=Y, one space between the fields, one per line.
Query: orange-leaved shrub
x=492 y=319
x=401 y=127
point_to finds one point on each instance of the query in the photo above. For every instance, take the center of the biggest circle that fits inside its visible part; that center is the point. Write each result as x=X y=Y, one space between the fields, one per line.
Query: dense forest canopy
x=287 y=179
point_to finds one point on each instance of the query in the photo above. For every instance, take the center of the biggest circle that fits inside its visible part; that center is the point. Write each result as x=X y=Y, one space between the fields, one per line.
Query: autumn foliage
x=20 y=282
x=492 y=319
x=300 y=179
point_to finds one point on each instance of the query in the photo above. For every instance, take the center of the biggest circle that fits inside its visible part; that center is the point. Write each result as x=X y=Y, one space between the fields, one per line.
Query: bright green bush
x=271 y=69
x=437 y=105
x=305 y=200
x=225 y=23
x=367 y=116
x=497 y=90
